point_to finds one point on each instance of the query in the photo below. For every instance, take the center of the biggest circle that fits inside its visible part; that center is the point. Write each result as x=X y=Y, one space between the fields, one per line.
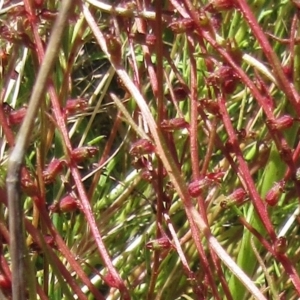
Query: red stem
x=73 y=167
x=288 y=89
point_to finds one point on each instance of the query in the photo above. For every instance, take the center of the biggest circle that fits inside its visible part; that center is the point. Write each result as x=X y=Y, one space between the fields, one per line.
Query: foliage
x=163 y=163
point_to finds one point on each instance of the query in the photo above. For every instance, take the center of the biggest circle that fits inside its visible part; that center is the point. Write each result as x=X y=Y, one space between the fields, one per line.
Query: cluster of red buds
x=226 y=78
x=140 y=151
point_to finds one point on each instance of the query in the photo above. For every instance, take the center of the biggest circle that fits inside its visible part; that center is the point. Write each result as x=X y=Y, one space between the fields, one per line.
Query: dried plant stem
x=17 y=244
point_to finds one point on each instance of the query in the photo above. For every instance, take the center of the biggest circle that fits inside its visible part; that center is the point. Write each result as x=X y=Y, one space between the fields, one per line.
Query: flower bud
x=49 y=15
x=79 y=154
x=274 y=193
x=221 y=5
x=68 y=204
x=281 y=245
x=49 y=240
x=238 y=196
x=17 y=116
x=195 y=188
x=226 y=78
x=53 y=169
x=143 y=39
x=150 y=39
x=180 y=94
x=28 y=185
x=210 y=106
x=141 y=147
x=174 y=124
x=75 y=105
x=288 y=72
x=110 y=281
x=281 y=123
x=182 y=26
x=159 y=244
x=229 y=81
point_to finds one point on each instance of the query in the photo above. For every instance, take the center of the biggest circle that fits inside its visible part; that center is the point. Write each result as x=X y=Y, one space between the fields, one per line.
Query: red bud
x=195 y=188
x=49 y=15
x=110 y=281
x=79 y=154
x=174 y=124
x=238 y=196
x=274 y=193
x=144 y=39
x=180 y=94
x=53 y=169
x=226 y=78
x=288 y=71
x=182 y=26
x=210 y=106
x=17 y=116
x=49 y=240
x=159 y=244
x=28 y=185
x=68 y=204
x=215 y=177
x=281 y=123
x=150 y=39
x=221 y=5
x=142 y=147
x=75 y=105
x=281 y=245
